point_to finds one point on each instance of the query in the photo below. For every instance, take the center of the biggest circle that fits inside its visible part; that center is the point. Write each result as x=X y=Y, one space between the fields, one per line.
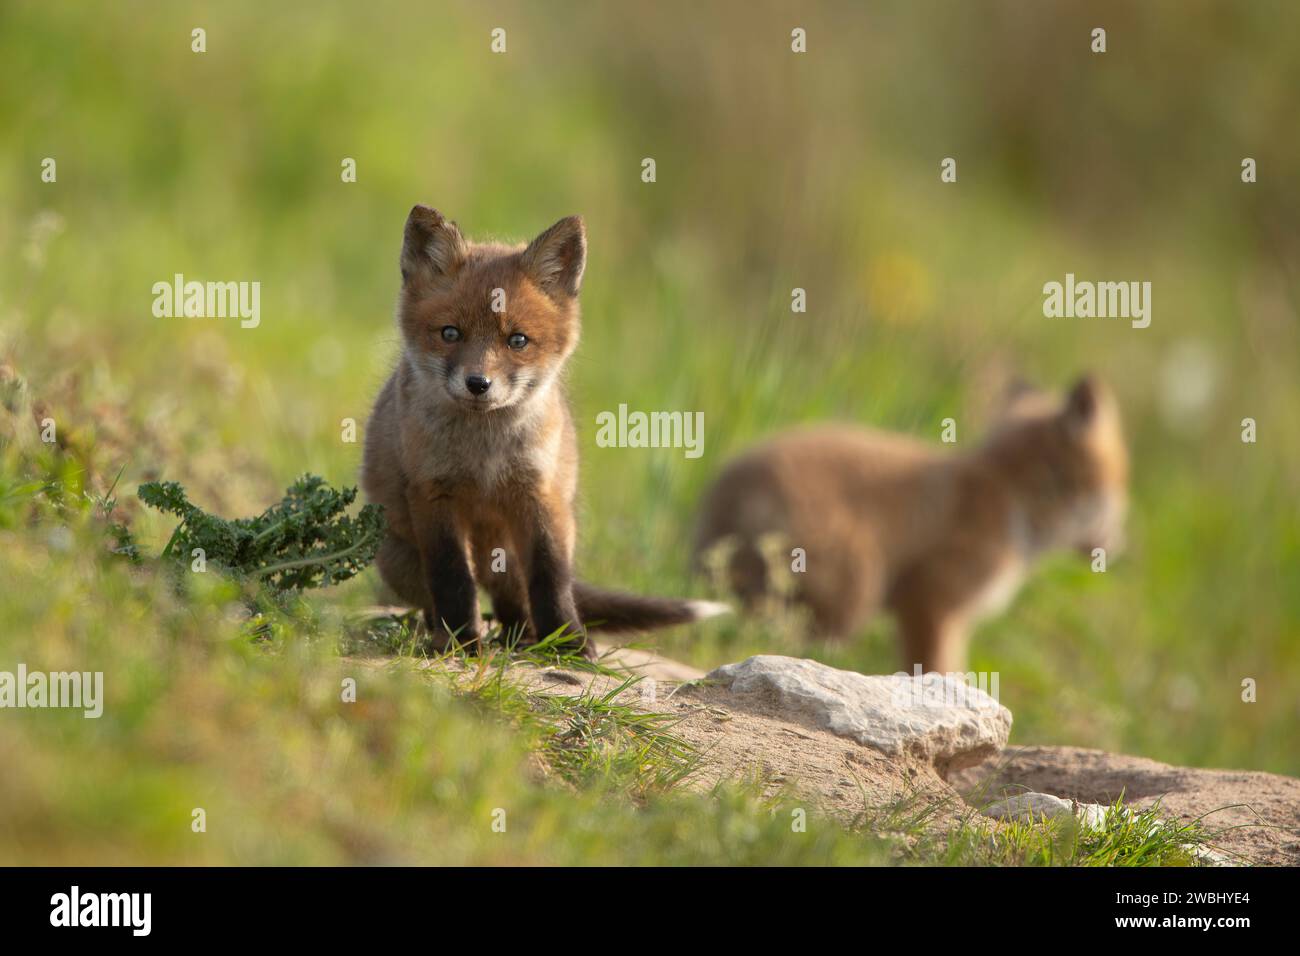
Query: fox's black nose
x=478 y=384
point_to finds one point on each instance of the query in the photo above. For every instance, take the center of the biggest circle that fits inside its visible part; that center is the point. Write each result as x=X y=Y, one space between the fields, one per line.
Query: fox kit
x=471 y=447
x=940 y=539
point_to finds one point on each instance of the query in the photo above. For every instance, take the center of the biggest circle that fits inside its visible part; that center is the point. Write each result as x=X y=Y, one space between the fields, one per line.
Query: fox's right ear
x=432 y=247
x=557 y=258
x=1089 y=401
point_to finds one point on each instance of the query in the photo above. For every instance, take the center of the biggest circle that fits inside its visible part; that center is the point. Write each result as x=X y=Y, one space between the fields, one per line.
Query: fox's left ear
x=556 y=259
x=1088 y=400
x=432 y=248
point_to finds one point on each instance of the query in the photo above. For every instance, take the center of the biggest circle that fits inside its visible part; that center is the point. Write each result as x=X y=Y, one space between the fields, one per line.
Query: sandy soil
x=841 y=776
x=1255 y=816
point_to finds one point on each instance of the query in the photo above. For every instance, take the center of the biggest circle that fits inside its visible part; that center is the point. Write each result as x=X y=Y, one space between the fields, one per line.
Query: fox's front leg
x=445 y=565
x=550 y=577
x=933 y=637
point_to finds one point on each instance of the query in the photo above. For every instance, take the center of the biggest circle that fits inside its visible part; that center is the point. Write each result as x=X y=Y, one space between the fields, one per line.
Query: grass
x=592 y=740
x=775 y=172
x=1126 y=837
x=241 y=710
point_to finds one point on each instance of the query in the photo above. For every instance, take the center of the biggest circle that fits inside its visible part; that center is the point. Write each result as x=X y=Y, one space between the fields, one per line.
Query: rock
x=1037 y=806
x=938 y=718
x=1091 y=814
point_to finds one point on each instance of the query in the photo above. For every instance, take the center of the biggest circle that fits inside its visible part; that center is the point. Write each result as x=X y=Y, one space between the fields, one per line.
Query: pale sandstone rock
x=1038 y=806
x=935 y=717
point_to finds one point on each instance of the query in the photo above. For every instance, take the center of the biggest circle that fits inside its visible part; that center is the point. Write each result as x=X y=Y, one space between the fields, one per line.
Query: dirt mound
x=774 y=735
x=842 y=776
x=1255 y=816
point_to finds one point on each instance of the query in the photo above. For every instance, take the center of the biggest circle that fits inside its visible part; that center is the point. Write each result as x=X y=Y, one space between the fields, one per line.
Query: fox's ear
x=432 y=247
x=1087 y=401
x=556 y=259
x=1021 y=400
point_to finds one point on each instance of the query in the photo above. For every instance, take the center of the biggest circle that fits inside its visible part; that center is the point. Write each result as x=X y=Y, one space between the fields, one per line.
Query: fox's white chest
x=1004 y=583
x=1000 y=590
x=478 y=450
x=475 y=453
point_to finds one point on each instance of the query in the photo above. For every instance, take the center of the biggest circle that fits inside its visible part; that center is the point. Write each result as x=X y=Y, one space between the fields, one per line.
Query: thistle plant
x=306 y=541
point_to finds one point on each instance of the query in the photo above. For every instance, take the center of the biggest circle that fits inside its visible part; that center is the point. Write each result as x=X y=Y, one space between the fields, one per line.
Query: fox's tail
x=615 y=611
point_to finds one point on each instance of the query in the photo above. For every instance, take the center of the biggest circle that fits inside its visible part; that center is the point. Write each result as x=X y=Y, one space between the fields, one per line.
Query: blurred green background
x=775 y=170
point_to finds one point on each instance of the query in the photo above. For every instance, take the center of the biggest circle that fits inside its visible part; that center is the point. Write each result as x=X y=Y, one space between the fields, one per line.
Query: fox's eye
x=517 y=341
x=450 y=333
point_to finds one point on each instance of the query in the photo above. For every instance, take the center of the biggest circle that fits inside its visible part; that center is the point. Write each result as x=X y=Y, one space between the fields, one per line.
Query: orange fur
x=471 y=447
x=938 y=538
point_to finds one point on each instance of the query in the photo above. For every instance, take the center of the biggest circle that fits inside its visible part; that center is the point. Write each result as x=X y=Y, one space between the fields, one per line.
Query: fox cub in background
x=941 y=539
x=471 y=446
